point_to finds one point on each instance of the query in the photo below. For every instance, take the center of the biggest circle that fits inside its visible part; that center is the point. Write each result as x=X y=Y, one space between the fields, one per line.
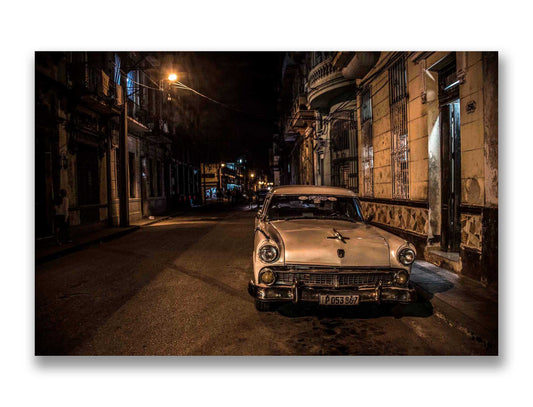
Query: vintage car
x=312 y=244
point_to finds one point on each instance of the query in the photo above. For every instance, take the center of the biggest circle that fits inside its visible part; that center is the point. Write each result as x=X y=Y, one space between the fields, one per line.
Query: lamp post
x=124 y=194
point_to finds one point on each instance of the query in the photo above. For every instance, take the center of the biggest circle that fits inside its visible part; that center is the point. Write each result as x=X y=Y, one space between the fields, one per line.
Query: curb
x=456 y=319
x=84 y=245
x=98 y=240
x=162 y=219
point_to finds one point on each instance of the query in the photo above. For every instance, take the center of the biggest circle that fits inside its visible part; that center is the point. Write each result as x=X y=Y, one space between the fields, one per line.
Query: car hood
x=306 y=242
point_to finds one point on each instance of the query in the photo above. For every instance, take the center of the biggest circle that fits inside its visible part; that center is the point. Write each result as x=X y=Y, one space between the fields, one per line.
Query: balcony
x=300 y=115
x=327 y=86
x=96 y=89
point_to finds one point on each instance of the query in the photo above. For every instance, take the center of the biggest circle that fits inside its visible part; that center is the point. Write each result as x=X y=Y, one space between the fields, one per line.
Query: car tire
x=263 y=306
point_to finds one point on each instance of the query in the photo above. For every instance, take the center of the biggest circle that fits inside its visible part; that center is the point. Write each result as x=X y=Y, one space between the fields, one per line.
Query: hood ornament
x=338 y=236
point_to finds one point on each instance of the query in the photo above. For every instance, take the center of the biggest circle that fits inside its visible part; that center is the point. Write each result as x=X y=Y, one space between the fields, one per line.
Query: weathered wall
x=490 y=127
x=417 y=116
x=381 y=136
x=472 y=133
x=414 y=220
x=471 y=236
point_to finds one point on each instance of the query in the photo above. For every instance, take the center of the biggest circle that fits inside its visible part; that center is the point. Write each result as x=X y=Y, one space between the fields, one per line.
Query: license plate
x=330 y=299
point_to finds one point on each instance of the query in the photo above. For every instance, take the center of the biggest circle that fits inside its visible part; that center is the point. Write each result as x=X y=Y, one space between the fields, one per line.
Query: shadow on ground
x=421 y=309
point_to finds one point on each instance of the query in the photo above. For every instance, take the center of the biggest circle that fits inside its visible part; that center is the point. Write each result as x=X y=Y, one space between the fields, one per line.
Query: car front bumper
x=296 y=293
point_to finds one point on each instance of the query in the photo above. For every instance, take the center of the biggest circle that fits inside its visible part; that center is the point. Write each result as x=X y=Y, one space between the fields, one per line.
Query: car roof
x=312 y=190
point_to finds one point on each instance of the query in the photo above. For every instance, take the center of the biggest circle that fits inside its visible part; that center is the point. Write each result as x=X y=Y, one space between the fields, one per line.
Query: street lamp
x=172 y=77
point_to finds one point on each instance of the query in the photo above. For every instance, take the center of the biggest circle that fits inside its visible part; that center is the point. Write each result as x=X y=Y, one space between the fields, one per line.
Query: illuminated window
x=117 y=69
x=131 y=85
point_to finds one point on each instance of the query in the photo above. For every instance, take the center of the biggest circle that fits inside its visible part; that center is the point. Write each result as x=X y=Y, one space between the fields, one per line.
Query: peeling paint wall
x=381 y=136
x=417 y=116
x=472 y=134
x=490 y=127
x=471 y=236
x=479 y=158
x=414 y=220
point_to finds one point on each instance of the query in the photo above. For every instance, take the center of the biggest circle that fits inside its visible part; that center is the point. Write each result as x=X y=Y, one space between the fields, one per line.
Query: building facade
x=416 y=135
x=221 y=180
x=80 y=114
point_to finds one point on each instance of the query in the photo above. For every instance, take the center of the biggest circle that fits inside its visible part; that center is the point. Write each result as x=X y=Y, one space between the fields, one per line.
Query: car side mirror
x=370 y=217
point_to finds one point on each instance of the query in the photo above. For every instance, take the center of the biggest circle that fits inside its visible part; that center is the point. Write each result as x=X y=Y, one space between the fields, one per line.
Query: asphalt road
x=179 y=287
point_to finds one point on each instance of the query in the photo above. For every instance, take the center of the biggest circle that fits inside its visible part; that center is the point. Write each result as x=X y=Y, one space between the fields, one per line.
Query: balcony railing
x=325 y=83
x=96 y=87
x=323 y=71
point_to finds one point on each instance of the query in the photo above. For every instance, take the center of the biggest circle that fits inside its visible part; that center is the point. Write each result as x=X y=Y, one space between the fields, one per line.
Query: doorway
x=88 y=184
x=451 y=175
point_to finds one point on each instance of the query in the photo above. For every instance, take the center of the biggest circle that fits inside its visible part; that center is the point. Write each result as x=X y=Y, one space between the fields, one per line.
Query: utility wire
x=180 y=85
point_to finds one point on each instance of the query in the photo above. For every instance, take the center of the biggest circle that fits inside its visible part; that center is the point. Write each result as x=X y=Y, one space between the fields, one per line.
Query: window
x=340 y=131
x=132 y=85
x=399 y=146
x=117 y=69
x=131 y=165
x=344 y=159
x=366 y=105
x=314 y=207
x=366 y=141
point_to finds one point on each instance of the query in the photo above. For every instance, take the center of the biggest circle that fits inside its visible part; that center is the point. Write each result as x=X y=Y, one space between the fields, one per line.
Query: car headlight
x=267 y=276
x=401 y=277
x=268 y=253
x=406 y=256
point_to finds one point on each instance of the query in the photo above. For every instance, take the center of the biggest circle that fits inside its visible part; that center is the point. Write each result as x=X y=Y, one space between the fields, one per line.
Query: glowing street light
x=252 y=175
x=172 y=77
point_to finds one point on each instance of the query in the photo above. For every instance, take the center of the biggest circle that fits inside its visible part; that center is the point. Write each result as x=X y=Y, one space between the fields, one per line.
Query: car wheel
x=263 y=306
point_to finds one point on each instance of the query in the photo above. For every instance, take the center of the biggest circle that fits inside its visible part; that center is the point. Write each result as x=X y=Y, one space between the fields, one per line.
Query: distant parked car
x=261 y=195
x=312 y=244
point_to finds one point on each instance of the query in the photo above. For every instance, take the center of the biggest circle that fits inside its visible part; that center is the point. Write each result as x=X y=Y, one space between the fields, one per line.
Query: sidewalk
x=83 y=237
x=460 y=301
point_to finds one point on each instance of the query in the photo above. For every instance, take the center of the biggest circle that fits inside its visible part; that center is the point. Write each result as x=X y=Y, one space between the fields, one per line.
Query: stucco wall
x=381 y=136
x=471 y=228
x=407 y=218
x=417 y=116
x=472 y=135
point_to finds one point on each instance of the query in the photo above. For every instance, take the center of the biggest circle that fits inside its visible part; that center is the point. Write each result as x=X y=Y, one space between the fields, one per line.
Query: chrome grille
x=335 y=279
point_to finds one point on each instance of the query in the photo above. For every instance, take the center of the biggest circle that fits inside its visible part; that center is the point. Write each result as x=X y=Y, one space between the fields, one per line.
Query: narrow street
x=179 y=287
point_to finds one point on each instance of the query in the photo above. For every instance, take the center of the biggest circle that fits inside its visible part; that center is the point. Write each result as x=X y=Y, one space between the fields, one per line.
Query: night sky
x=246 y=81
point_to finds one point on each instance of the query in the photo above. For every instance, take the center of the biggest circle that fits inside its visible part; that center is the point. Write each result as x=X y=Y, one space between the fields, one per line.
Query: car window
x=313 y=206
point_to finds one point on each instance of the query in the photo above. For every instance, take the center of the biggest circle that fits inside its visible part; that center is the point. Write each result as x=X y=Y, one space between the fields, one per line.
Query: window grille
x=340 y=132
x=341 y=174
x=399 y=144
x=366 y=105
x=366 y=141
x=343 y=136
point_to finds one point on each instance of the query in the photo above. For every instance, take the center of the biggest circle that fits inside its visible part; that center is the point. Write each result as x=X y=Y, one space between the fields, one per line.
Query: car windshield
x=287 y=207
